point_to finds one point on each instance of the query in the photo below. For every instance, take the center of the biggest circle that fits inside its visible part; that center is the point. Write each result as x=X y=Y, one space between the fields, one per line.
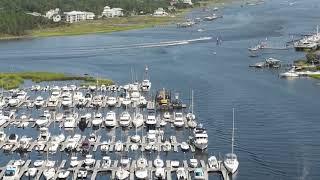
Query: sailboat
x=231 y=161
x=146 y=83
x=190 y=116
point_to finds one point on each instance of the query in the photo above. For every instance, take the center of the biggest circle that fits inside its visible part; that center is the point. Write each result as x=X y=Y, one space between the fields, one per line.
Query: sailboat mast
x=232 y=140
x=192 y=101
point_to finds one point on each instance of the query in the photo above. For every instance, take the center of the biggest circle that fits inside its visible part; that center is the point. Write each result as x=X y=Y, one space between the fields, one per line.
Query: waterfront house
x=173 y=2
x=52 y=12
x=76 y=16
x=112 y=12
x=160 y=12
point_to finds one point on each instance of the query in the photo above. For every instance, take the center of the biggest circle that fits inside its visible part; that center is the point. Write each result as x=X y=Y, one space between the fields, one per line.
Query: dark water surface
x=277 y=120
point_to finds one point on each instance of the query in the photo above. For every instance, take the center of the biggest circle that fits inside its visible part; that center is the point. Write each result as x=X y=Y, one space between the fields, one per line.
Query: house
x=76 y=16
x=173 y=2
x=112 y=12
x=52 y=12
x=160 y=12
x=187 y=2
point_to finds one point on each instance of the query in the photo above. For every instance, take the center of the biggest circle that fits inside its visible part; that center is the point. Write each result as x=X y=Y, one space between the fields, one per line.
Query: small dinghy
x=63 y=174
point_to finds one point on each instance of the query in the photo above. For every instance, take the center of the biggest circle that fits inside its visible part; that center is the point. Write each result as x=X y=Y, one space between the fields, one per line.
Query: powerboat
x=158 y=163
x=118 y=146
x=49 y=173
x=92 y=138
x=166 y=115
x=24 y=142
x=2 y=136
x=184 y=146
x=213 y=162
x=178 y=120
x=181 y=173
x=122 y=174
x=97 y=101
x=110 y=120
x=66 y=101
x=141 y=170
x=138 y=120
x=38 y=163
x=85 y=146
x=97 y=120
x=44 y=135
x=63 y=174
x=74 y=161
x=199 y=174
x=125 y=119
x=104 y=146
x=106 y=162
x=73 y=142
x=193 y=163
x=70 y=121
x=13 y=138
x=160 y=173
x=151 y=117
x=39 y=102
x=111 y=101
x=89 y=161
x=82 y=174
x=31 y=172
x=42 y=121
x=134 y=147
x=11 y=173
x=200 y=139
x=146 y=85
x=135 y=138
x=175 y=164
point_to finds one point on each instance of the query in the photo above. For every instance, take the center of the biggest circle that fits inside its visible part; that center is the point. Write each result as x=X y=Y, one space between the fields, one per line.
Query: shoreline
x=112 y=24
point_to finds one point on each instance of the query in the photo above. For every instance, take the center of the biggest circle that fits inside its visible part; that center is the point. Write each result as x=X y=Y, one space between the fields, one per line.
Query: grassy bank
x=14 y=80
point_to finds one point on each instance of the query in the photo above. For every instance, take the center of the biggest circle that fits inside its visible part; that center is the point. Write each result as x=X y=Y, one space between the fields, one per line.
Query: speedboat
x=193 y=163
x=141 y=170
x=31 y=172
x=175 y=163
x=231 y=162
x=118 y=146
x=158 y=163
x=106 y=162
x=138 y=120
x=44 y=135
x=135 y=138
x=38 y=163
x=66 y=101
x=110 y=120
x=200 y=139
x=97 y=120
x=42 y=121
x=82 y=174
x=11 y=172
x=49 y=173
x=146 y=85
x=89 y=161
x=111 y=101
x=160 y=173
x=151 y=117
x=184 y=146
x=19 y=162
x=70 y=121
x=104 y=146
x=213 y=162
x=125 y=119
x=39 y=102
x=63 y=174
x=166 y=115
x=199 y=174
x=92 y=138
x=122 y=174
x=181 y=173
x=74 y=161
x=178 y=120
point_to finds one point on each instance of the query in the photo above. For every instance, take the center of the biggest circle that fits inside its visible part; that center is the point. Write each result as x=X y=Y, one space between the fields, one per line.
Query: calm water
x=277 y=120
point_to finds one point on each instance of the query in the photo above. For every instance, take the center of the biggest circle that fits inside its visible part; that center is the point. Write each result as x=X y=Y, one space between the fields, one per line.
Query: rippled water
x=277 y=120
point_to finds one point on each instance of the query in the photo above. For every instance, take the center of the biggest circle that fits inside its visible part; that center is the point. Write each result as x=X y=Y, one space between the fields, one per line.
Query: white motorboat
x=175 y=163
x=44 y=135
x=213 y=162
x=77 y=96
x=106 y=162
x=118 y=146
x=181 y=173
x=7 y=147
x=25 y=142
x=184 y=146
x=50 y=164
x=92 y=138
x=70 y=121
x=74 y=161
x=104 y=146
x=141 y=170
x=11 y=173
x=13 y=138
x=138 y=120
x=49 y=173
x=122 y=174
x=42 y=121
x=111 y=101
x=66 y=101
x=158 y=163
x=2 y=136
x=166 y=115
x=167 y=146
x=199 y=174
x=289 y=74
x=89 y=161
x=111 y=120
x=82 y=174
x=134 y=147
x=200 y=139
x=193 y=163
x=97 y=120
x=31 y=172
x=190 y=116
x=146 y=83
x=135 y=138
x=211 y=18
x=3 y=118
x=151 y=117
x=73 y=142
x=97 y=101
x=178 y=120
x=126 y=101
x=13 y=102
x=231 y=161
x=19 y=162
x=38 y=163
x=125 y=119
x=63 y=174
x=192 y=124
x=39 y=102
x=160 y=173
